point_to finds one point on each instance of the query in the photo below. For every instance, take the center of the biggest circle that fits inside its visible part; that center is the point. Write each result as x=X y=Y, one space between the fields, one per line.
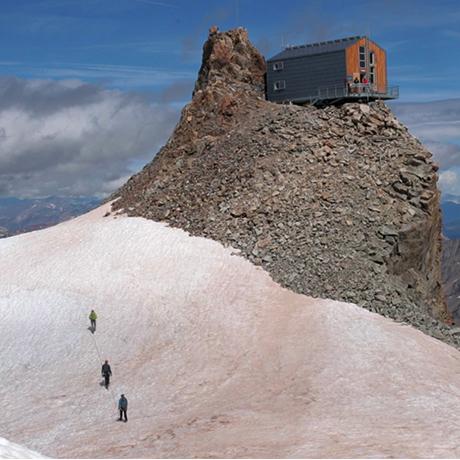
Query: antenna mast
x=237 y=12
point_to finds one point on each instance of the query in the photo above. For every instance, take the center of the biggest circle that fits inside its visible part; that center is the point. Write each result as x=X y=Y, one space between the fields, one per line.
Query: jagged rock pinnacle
x=231 y=58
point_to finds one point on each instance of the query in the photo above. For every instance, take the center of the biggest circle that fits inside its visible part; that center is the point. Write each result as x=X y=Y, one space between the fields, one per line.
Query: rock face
x=340 y=202
x=451 y=275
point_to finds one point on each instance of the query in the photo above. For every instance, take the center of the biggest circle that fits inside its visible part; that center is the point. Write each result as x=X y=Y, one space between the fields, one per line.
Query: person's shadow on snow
x=91 y=330
x=102 y=384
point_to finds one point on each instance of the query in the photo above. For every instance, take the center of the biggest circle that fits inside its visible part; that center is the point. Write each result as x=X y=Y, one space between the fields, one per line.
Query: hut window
x=372 y=75
x=278 y=66
x=279 y=85
x=371 y=58
x=362 y=56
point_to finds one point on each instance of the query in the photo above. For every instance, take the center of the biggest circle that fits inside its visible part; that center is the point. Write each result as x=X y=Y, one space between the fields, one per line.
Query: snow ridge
x=11 y=450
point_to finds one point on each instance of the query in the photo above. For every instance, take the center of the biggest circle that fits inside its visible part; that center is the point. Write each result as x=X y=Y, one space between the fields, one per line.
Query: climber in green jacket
x=93 y=318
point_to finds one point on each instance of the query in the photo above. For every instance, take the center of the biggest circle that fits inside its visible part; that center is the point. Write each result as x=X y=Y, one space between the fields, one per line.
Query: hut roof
x=315 y=48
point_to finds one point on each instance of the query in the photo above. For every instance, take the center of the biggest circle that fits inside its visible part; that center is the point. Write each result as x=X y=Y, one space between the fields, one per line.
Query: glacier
x=215 y=358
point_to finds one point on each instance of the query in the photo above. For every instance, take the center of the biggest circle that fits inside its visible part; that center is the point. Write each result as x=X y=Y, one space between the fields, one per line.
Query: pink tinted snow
x=215 y=359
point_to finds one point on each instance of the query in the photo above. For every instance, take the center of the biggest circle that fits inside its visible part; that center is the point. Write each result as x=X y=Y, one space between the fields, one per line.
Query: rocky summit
x=338 y=202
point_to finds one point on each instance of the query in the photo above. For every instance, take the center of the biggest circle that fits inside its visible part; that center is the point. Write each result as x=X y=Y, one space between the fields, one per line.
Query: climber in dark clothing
x=106 y=373
x=123 y=408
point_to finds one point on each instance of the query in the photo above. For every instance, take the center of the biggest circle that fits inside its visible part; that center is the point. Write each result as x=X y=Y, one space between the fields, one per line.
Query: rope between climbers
x=100 y=358
x=140 y=409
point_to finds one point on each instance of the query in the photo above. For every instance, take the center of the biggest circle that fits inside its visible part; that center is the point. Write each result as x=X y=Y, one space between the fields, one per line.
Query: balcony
x=353 y=91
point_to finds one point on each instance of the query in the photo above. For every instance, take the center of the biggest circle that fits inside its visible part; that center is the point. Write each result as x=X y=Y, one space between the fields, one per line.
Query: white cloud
x=449 y=181
x=119 y=76
x=446 y=130
x=447 y=155
x=72 y=138
x=156 y=3
x=437 y=124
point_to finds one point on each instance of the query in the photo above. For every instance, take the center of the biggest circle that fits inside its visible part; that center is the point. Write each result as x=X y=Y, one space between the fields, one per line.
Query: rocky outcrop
x=339 y=202
x=451 y=276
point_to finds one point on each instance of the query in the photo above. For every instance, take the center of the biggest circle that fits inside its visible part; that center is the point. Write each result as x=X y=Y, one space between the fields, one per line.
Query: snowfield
x=215 y=359
x=11 y=450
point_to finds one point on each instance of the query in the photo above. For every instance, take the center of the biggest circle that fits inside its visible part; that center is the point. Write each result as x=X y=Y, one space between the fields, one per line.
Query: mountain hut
x=347 y=69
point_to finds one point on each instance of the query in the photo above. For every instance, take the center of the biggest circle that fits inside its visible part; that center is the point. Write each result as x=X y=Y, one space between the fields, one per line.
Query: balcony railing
x=355 y=90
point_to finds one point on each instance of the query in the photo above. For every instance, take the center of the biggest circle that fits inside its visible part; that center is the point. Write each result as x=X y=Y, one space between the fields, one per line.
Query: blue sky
x=144 y=55
x=148 y=44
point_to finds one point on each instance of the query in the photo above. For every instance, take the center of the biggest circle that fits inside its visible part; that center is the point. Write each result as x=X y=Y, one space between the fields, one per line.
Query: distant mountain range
x=451 y=198
x=451 y=253
x=19 y=215
x=451 y=275
x=451 y=216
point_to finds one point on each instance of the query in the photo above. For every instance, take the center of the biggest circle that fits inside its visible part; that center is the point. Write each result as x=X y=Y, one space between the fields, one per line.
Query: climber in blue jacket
x=123 y=408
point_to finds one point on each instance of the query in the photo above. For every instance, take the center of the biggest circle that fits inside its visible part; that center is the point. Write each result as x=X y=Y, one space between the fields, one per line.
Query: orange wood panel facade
x=352 y=59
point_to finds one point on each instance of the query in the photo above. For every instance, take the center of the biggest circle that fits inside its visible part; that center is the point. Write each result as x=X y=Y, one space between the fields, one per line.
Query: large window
x=362 y=57
x=279 y=85
x=371 y=58
x=278 y=65
x=372 y=75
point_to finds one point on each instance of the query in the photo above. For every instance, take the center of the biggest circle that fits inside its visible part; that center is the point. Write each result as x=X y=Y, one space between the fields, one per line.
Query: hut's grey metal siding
x=304 y=75
x=316 y=48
